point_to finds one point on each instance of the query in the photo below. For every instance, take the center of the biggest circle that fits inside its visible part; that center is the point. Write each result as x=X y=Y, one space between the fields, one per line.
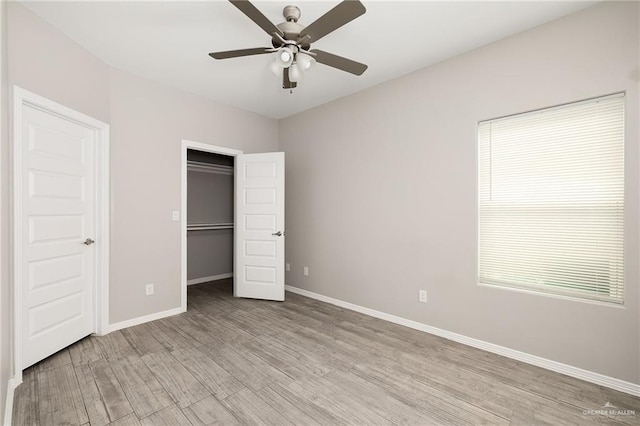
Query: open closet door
x=259 y=232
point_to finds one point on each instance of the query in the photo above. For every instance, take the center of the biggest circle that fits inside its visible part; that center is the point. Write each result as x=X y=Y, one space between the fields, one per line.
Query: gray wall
x=209 y=253
x=209 y=197
x=148 y=122
x=46 y=62
x=5 y=293
x=381 y=191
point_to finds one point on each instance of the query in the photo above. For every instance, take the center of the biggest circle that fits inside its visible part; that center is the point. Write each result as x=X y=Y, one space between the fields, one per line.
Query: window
x=551 y=200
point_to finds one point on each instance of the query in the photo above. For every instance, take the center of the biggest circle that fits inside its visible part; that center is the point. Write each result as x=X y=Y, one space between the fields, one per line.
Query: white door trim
x=21 y=98
x=198 y=146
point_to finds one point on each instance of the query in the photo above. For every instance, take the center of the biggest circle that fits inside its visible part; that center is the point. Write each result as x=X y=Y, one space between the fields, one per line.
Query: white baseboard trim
x=579 y=373
x=210 y=278
x=12 y=384
x=146 y=318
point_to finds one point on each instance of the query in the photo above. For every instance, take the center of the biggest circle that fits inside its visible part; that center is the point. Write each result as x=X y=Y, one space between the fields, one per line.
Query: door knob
x=278 y=234
x=88 y=242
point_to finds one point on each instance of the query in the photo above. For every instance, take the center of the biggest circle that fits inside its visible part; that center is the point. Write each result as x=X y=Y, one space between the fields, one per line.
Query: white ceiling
x=169 y=42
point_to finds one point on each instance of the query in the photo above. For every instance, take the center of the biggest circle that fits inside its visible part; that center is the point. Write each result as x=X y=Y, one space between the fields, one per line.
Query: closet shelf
x=197 y=166
x=208 y=226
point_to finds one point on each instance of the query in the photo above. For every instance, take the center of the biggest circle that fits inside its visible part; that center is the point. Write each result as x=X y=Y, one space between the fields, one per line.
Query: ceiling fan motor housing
x=291 y=28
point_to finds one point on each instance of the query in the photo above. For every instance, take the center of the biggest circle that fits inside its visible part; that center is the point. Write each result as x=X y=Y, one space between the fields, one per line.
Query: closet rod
x=197 y=166
x=199 y=225
x=208 y=228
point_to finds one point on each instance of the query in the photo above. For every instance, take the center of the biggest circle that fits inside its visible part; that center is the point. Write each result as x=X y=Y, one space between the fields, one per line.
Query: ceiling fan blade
x=339 y=62
x=286 y=83
x=241 y=52
x=340 y=15
x=256 y=16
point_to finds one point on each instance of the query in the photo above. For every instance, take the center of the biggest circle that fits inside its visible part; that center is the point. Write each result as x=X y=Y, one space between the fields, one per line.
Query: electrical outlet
x=287 y=267
x=305 y=271
x=175 y=215
x=422 y=296
x=148 y=289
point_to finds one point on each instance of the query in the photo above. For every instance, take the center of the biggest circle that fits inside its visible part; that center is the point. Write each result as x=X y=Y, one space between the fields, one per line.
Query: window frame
x=547 y=290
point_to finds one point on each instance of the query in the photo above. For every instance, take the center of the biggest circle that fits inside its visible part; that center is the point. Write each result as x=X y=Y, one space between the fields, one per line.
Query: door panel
x=259 y=268
x=58 y=207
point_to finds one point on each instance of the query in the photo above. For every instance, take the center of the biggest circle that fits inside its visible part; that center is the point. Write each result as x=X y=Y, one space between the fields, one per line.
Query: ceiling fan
x=292 y=41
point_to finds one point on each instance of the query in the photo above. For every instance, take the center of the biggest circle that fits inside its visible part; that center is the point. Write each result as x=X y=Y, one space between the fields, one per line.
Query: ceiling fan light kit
x=291 y=41
x=285 y=57
x=295 y=73
x=304 y=60
x=275 y=67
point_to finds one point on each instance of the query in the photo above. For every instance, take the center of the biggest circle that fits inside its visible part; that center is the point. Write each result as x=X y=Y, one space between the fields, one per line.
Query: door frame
x=197 y=146
x=22 y=98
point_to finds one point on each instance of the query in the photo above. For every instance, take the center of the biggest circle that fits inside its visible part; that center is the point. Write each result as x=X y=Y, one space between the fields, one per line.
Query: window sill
x=555 y=296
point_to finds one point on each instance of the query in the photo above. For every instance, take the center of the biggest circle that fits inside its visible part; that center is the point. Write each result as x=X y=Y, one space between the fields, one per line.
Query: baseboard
x=579 y=373
x=210 y=278
x=12 y=384
x=146 y=318
x=168 y=313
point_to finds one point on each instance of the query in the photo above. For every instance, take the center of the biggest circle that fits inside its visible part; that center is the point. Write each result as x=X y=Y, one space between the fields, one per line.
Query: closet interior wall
x=210 y=196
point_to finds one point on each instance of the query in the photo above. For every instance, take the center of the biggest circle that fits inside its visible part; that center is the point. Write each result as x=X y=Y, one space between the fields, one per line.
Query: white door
x=259 y=233
x=58 y=216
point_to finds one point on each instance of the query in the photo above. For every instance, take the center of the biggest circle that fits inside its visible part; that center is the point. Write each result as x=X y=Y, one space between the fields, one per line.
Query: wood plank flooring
x=230 y=361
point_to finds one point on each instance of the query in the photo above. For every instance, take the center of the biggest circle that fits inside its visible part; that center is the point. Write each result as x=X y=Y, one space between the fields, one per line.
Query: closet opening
x=208 y=216
x=232 y=221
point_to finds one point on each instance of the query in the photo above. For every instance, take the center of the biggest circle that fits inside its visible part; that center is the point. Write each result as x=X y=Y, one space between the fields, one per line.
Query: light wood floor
x=232 y=361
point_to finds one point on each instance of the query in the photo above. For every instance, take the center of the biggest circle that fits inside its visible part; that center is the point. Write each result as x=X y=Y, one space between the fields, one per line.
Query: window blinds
x=551 y=200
